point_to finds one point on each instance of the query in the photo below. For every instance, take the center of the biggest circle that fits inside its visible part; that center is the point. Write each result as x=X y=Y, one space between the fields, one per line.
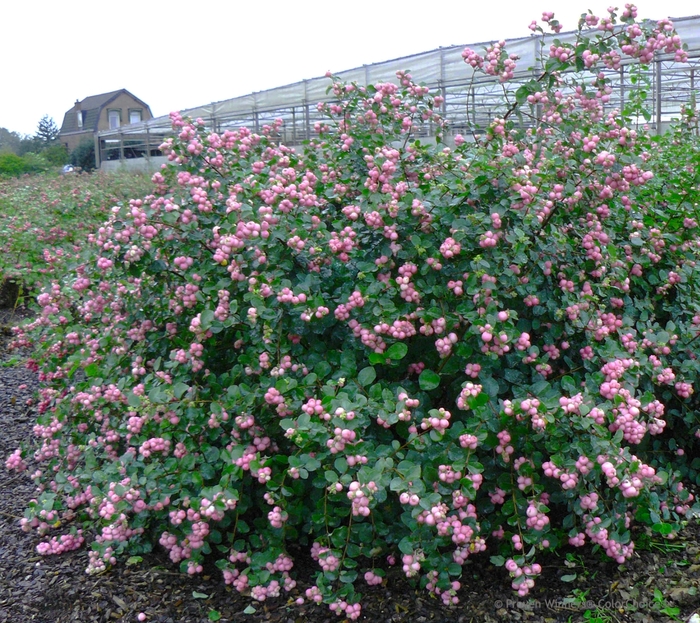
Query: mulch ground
x=660 y=583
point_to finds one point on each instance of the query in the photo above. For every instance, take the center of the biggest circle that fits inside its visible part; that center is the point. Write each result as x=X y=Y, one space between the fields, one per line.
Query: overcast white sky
x=176 y=54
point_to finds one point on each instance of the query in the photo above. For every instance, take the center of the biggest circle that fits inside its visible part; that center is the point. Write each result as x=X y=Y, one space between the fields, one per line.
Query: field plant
x=377 y=351
x=12 y=165
x=45 y=219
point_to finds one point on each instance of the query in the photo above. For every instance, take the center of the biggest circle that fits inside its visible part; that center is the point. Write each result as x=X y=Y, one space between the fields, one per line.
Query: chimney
x=77 y=104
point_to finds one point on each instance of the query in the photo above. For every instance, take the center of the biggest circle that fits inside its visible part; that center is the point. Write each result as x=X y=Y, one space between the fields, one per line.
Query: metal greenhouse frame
x=469 y=101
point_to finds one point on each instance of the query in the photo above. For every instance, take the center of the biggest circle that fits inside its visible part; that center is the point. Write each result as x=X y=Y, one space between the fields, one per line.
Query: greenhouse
x=470 y=102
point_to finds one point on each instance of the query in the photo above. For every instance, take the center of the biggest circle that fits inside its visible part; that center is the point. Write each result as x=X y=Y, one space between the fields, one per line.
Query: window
x=115 y=118
x=80 y=118
x=135 y=115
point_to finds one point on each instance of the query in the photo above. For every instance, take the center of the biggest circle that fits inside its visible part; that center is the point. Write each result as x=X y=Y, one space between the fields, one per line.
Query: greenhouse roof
x=443 y=68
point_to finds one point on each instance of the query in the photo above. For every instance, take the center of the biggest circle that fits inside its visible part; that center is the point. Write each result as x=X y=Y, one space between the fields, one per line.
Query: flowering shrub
x=45 y=219
x=380 y=350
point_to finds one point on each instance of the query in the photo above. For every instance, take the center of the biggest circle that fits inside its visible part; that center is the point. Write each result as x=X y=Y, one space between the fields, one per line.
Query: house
x=107 y=111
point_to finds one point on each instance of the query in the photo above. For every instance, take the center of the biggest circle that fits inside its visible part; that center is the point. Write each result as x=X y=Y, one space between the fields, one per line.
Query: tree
x=47 y=131
x=28 y=145
x=56 y=154
x=83 y=155
x=9 y=141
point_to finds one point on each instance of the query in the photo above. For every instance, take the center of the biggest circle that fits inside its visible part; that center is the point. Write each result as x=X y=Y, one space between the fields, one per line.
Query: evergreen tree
x=47 y=131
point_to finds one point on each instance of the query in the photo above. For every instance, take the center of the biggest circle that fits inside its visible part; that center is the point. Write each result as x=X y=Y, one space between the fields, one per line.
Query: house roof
x=91 y=107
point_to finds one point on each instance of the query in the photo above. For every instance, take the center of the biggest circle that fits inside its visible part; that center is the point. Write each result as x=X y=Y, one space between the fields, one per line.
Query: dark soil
x=660 y=583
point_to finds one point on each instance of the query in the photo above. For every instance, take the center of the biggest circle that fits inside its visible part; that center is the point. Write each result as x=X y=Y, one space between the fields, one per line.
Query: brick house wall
x=101 y=112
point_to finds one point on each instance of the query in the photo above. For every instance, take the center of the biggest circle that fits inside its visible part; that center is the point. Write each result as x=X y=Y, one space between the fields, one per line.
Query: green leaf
x=311 y=463
x=662 y=528
x=397 y=484
x=331 y=476
x=375 y=358
x=310 y=379
x=179 y=390
x=568 y=578
x=207 y=471
x=406 y=546
x=206 y=319
x=366 y=376
x=428 y=380
x=522 y=93
x=214 y=615
x=341 y=464
x=396 y=351
x=322 y=368
x=197 y=595
x=133 y=400
x=569 y=385
x=513 y=376
x=409 y=470
x=157 y=266
x=158 y=396
x=211 y=453
x=490 y=386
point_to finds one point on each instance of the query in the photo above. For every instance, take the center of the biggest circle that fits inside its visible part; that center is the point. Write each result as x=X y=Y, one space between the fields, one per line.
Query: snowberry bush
x=376 y=350
x=45 y=219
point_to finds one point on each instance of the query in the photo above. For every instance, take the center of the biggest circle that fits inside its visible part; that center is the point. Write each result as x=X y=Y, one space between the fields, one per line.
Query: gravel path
x=20 y=567
x=56 y=589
